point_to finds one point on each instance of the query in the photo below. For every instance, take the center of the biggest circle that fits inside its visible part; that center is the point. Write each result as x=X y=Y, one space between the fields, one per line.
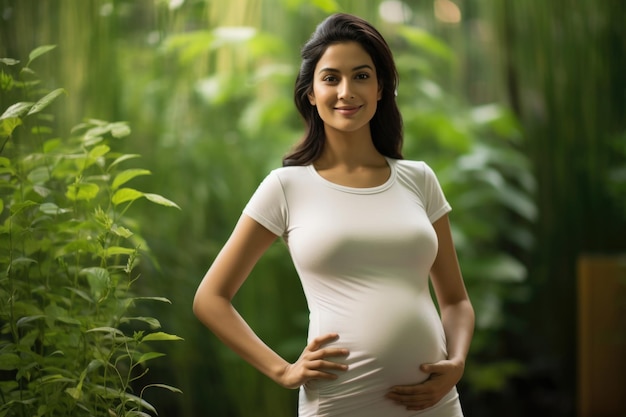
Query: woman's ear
x=311 y=97
x=380 y=91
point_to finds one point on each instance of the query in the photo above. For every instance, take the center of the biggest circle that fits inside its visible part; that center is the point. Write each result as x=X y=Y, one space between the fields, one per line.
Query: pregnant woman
x=366 y=230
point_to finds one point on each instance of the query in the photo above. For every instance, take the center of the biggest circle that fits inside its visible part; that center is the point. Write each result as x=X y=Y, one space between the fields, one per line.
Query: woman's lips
x=347 y=110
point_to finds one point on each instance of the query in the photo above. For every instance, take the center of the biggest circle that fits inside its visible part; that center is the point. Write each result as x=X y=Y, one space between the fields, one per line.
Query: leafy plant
x=69 y=256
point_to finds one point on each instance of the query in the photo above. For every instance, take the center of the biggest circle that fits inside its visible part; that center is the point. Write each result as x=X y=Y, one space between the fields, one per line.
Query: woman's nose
x=345 y=91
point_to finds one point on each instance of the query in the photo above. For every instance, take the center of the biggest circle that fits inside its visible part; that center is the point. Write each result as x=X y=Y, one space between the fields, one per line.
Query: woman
x=365 y=230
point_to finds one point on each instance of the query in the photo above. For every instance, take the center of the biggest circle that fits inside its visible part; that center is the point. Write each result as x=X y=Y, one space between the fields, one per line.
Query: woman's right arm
x=213 y=307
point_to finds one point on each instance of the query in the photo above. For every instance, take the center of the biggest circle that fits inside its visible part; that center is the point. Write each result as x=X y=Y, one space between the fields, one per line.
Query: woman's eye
x=330 y=79
x=362 y=76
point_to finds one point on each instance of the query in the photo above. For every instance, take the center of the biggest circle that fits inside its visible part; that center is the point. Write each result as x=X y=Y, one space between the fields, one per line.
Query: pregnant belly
x=389 y=336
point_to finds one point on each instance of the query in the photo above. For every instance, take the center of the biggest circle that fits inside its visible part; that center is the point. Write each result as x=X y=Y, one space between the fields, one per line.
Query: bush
x=69 y=256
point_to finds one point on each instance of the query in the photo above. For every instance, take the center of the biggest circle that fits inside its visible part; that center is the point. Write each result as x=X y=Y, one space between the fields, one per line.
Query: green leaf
x=9 y=61
x=121 y=231
x=75 y=393
x=106 y=329
x=51 y=145
x=22 y=261
x=19 y=207
x=9 y=362
x=52 y=209
x=82 y=191
x=125 y=194
x=28 y=340
x=68 y=320
x=16 y=110
x=123 y=158
x=150 y=321
x=162 y=299
x=160 y=336
x=99 y=281
x=8 y=125
x=134 y=413
x=158 y=199
x=148 y=356
x=116 y=250
x=141 y=403
x=25 y=320
x=39 y=175
x=46 y=379
x=82 y=294
x=99 y=151
x=120 y=129
x=125 y=176
x=39 y=51
x=167 y=387
x=45 y=101
x=56 y=313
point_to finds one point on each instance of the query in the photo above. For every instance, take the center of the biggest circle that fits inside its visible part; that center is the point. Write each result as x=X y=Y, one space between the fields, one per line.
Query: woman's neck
x=349 y=150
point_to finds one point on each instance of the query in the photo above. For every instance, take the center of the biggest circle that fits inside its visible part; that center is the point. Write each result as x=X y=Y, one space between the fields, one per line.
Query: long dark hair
x=385 y=126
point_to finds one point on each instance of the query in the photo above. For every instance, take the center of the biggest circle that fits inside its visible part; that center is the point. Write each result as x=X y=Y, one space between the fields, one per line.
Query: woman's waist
x=378 y=372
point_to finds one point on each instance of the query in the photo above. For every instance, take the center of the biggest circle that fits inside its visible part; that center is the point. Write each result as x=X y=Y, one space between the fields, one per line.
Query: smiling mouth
x=348 y=109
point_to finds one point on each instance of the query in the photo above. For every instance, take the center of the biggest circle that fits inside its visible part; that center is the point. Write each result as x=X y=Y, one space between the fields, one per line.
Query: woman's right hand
x=313 y=363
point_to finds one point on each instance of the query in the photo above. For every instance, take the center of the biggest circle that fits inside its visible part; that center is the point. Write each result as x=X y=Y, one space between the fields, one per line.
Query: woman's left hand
x=444 y=375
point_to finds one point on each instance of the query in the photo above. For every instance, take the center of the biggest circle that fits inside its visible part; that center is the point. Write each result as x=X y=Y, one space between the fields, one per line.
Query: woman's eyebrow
x=360 y=67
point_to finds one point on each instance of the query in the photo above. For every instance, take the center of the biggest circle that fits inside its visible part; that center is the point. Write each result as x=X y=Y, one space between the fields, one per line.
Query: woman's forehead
x=344 y=56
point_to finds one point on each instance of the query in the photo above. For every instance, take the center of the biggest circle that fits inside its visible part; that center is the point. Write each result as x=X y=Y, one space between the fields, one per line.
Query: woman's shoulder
x=413 y=173
x=288 y=175
x=410 y=168
x=290 y=172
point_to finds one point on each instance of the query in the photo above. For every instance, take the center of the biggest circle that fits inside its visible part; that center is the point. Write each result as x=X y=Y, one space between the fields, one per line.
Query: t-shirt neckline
x=358 y=190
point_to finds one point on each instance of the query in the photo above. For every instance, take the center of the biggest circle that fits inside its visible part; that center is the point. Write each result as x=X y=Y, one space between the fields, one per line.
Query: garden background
x=520 y=107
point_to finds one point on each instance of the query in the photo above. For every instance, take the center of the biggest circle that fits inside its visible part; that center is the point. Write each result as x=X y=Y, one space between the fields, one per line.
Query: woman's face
x=345 y=88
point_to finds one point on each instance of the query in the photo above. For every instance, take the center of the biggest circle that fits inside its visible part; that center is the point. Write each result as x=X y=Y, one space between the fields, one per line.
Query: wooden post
x=601 y=336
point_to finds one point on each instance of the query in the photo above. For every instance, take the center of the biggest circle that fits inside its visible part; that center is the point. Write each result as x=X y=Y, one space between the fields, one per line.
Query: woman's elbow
x=196 y=306
x=200 y=304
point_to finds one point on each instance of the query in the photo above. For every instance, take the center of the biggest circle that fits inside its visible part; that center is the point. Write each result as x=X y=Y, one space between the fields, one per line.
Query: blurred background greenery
x=518 y=106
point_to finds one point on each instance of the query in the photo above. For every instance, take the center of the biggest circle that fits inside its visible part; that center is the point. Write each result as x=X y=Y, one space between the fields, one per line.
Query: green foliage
x=70 y=343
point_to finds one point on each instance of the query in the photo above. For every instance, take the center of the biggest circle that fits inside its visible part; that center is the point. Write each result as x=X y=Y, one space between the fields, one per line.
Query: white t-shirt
x=363 y=256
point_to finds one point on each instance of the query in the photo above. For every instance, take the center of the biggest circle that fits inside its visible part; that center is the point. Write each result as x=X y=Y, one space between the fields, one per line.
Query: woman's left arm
x=457 y=313
x=457 y=316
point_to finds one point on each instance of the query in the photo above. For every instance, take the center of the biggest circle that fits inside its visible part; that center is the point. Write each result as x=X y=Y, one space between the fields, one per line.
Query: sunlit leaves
x=39 y=51
x=82 y=191
x=127 y=175
x=69 y=261
x=8 y=125
x=16 y=110
x=9 y=61
x=124 y=195
x=160 y=336
x=45 y=101
x=52 y=209
x=159 y=199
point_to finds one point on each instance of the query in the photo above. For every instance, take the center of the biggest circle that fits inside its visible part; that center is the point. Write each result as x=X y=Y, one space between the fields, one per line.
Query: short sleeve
x=268 y=205
x=436 y=203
